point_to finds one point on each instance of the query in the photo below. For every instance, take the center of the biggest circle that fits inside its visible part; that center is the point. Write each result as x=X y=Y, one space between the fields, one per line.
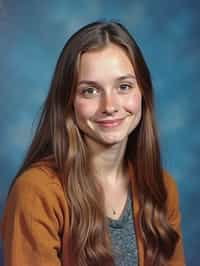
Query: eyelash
x=130 y=86
x=85 y=92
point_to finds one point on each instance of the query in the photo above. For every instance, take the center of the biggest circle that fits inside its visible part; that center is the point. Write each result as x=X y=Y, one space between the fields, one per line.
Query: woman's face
x=108 y=100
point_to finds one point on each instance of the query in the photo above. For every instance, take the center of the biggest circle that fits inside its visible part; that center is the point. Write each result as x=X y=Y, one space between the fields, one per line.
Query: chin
x=112 y=141
x=106 y=139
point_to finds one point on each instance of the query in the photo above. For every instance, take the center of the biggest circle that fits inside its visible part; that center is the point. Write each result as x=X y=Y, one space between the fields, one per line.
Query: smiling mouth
x=110 y=123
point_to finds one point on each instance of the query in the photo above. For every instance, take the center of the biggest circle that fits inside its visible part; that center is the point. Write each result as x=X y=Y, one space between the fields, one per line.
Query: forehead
x=108 y=62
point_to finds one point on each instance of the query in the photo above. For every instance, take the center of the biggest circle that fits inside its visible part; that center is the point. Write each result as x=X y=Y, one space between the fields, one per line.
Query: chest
x=115 y=200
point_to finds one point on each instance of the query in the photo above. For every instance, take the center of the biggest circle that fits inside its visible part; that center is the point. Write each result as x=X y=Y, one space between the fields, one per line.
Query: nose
x=110 y=103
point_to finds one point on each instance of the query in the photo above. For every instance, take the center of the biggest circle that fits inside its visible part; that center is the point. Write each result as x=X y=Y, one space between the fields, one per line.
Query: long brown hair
x=58 y=137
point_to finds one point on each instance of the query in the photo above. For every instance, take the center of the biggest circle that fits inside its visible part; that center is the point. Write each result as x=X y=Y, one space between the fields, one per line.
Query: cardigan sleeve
x=174 y=218
x=31 y=225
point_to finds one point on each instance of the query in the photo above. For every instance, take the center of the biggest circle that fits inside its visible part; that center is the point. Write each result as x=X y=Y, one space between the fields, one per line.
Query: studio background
x=32 y=34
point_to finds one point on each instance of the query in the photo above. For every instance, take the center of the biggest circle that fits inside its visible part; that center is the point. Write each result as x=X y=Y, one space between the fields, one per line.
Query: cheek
x=134 y=103
x=84 y=109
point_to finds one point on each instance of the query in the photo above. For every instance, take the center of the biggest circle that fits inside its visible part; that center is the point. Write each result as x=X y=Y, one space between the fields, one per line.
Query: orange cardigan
x=35 y=222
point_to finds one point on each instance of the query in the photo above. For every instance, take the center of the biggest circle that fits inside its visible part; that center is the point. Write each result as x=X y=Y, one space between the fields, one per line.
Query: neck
x=107 y=161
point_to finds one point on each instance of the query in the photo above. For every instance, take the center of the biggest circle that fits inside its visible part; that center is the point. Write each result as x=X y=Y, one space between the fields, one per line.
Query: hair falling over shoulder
x=58 y=137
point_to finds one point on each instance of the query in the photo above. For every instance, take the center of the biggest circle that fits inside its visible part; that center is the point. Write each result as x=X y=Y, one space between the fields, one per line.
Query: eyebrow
x=128 y=76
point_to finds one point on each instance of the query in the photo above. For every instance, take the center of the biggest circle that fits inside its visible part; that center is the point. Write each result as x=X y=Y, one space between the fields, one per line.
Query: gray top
x=122 y=233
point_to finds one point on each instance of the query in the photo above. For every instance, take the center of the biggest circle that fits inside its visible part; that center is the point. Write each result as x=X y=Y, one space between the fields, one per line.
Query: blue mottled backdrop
x=32 y=34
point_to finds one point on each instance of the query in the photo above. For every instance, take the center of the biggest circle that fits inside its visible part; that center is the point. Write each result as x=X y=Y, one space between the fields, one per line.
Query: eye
x=125 y=87
x=89 y=92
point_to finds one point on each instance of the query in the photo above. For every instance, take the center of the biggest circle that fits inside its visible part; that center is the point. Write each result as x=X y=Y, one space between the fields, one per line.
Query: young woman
x=92 y=190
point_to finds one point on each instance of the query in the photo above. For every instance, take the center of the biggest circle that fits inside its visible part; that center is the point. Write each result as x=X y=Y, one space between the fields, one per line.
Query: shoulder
x=170 y=182
x=171 y=185
x=38 y=174
x=36 y=213
x=36 y=197
x=39 y=187
x=37 y=179
x=174 y=217
x=173 y=208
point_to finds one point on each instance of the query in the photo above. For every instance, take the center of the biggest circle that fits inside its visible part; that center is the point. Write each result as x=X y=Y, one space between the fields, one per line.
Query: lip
x=110 y=123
